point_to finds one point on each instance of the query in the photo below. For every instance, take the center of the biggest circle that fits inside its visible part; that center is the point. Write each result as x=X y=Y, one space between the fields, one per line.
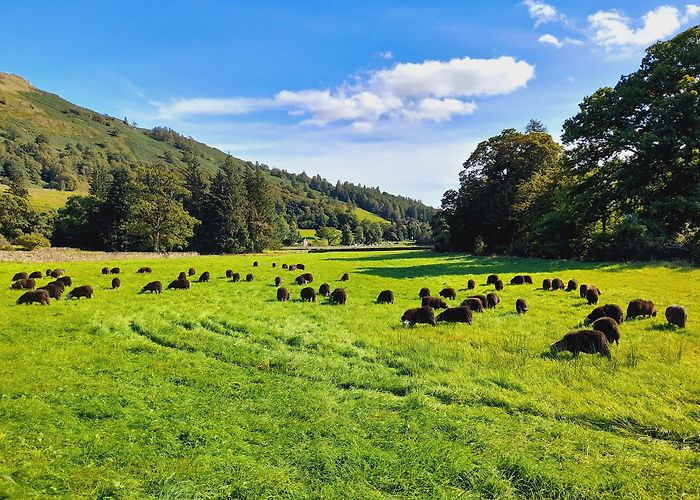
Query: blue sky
x=395 y=94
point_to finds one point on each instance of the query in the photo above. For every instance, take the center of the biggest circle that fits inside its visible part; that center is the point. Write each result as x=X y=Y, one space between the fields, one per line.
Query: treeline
x=625 y=185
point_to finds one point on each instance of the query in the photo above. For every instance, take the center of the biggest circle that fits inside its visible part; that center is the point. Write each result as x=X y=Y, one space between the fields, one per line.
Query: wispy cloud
x=543 y=12
x=552 y=40
x=387 y=54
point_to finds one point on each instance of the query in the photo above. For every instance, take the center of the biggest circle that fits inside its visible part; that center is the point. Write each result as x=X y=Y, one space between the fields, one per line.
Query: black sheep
x=345 y=277
x=521 y=306
x=38 y=296
x=639 y=307
x=424 y=315
x=448 y=293
x=105 y=270
x=282 y=294
x=492 y=279
x=571 y=285
x=424 y=292
x=308 y=294
x=492 y=300
x=528 y=279
x=114 y=270
x=557 y=284
x=517 y=280
x=498 y=285
x=116 y=283
x=36 y=275
x=456 y=315
x=23 y=284
x=482 y=298
x=608 y=310
x=609 y=327
x=278 y=280
x=587 y=341
x=54 y=291
x=676 y=315
x=179 y=284
x=191 y=271
x=471 y=284
x=236 y=277
x=80 y=291
x=204 y=277
x=385 y=297
x=546 y=284
x=153 y=287
x=592 y=295
x=339 y=296
x=474 y=304
x=249 y=277
x=324 y=290
x=434 y=302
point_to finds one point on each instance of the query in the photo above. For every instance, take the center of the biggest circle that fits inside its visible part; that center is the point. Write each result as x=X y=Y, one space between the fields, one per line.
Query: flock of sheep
x=603 y=321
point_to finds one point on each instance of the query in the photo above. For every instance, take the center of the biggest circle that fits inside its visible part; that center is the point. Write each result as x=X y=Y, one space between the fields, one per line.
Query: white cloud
x=387 y=54
x=691 y=11
x=428 y=91
x=542 y=12
x=550 y=39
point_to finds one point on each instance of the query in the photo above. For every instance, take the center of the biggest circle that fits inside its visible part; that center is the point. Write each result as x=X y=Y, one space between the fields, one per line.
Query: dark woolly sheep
x=282 y=294
x=434 y=302
x=482 y=298
x=498 y=285
x=80 y=291
x=60 y=284
x=471 y=285
x=308 y=277
x=308 y=294
x=204 y=277
x=639 y=307
x=521 y=306
x=179 y=284
x=191 y=271
x=448 y=293
x=676 y=315
x=460 y=314
x=48 y=273
x=546 y=284
x=114 y=270
x=36 y=275
x=424 y=292
x=105 y=270
x=492 y=300
x=153 y=287
x=292 y=267
x=582 y=290
x=557 y=284
x=571 y=286
x=34 y=296
x=116 y=283
x=274 y=264
x=300 y=280
x=324 y=290
x=339 y=296
x=345 y=277
x=23 y=284
x=66 y=280
x=249 y=277
x=609 y=327
x=528 y=279
x=229 y=273
x=57 y=272
x=54 y=291
x=278 y=280
x=607 y=311
x=284 y=266
x=144 y=270
x=586 y=341
x=236 y=277
x=255 y=264
x=301 y=266
x=592 y=295
x=385 y=297
x=424 y=315
x=474 y=304
x=182 y=276
x=517 y=280
x=492 y=279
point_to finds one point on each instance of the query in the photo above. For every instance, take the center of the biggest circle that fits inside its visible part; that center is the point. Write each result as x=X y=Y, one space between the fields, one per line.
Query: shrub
x=32 y=241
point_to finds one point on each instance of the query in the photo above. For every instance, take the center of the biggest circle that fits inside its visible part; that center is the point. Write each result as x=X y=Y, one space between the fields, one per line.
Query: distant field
x=223 y=392
x=307 y=233
x=365 y=215
x=45 y=199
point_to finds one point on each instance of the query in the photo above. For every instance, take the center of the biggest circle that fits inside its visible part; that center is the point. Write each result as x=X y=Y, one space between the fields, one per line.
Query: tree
x=347 y=237
x=16 y=216
x=116 y=209
x=158 y=214
x=78 y=223
x=330 y=234
x=261 y=211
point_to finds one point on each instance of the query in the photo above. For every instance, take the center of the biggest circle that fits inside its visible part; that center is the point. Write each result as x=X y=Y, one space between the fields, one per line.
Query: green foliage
x=32 y=241
x=331 y=235
x=78 y=225
x=17 y=216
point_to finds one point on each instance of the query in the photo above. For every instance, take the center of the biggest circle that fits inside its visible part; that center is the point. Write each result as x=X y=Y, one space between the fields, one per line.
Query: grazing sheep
x=236 y=277
x=474 y=304
x=339 y=296
x=66 y=280
x=385 y=297
x=282 y=294
x=607 y=311
x=521 y=306
x=448 y=293
x=179 y=284
x=424 y=315
x=300 y=280
x=517 y=280
x=36 y=275
x=609 y=327
x=114 y=270
x=116 y=283
x=191 y=271
x=324 y=290
x=424 y=292
x=23 y=284
x=571 y=285
x=48 y=273
x=204 y=277
x=308 y=277
x=345 y=277
x=582 y=290
x=639 y=307
x=308 y=294
x=587 y=341
x=274 y=264
x=229 y=273
x=456 y=315
x=546 y=284
x=482 y=298
x=471 y=284
x=80 y=291
x=54 y=291
x=592 y=295
x=255 y=264
x=292 y=267
x=144 y=270
x=528 y=279
x=492 y=279
x=498 y=285
x=182 y=276
x=249 y=277
x=57 y=272
x=557 y=284
x=301 y=266
x=59 y=284
x=492 y=300
x=278 y=280
x=434 y=302
x=676 y=315
x=38 y=296
x=105 y=270
x=153 y=287
x=284 y=266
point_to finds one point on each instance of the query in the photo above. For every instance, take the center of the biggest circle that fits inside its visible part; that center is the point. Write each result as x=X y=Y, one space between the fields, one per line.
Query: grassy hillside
x=365 y=215
x=223 y=392
x=46 y=199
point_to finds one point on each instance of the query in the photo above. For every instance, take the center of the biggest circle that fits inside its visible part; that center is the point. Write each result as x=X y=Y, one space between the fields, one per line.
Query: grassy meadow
x=223 y=392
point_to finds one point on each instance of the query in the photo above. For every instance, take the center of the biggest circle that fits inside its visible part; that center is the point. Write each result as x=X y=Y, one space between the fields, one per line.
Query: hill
x=53 y=143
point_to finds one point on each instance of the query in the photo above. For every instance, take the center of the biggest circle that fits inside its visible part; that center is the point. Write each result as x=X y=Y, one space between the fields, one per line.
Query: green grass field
x=46 y=199
x=222 y=392
x=363 y=214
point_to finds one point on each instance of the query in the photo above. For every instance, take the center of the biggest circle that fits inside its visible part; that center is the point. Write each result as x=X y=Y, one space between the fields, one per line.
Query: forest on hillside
x=623 y=185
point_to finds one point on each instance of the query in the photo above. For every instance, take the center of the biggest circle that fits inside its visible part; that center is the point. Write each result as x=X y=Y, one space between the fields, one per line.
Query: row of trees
x=625 y=184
